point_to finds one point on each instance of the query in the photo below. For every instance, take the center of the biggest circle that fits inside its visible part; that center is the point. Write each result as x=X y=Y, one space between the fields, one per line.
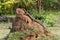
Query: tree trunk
x=39 y=6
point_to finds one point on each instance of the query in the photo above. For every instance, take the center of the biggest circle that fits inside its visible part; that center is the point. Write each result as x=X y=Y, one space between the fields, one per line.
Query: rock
x=6 y=19
x=3 y=19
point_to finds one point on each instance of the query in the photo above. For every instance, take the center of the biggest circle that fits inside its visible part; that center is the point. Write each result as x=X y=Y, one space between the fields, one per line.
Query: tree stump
x=24 y=21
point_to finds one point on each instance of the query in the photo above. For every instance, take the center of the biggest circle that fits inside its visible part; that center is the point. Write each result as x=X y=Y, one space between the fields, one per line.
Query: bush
x=46 y=17
x=9 y=6
x=51 y=4
x=49 y=18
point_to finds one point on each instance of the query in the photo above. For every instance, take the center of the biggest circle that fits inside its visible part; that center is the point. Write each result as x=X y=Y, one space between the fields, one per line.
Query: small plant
x=46 y=17
x=49 y=18
x=17 y=35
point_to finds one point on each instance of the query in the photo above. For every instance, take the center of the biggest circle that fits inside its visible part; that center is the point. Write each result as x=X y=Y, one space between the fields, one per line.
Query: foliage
x=6 y=7
x=17 y=35
x=9 y=6
x=51 y=4
x=49 y=18
x=46 y=17
x=34 y=13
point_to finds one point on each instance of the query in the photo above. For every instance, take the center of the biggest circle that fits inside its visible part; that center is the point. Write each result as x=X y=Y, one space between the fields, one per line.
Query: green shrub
x=51 y=4
x=49 y=18
x=46 y=17
x=9 y=6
